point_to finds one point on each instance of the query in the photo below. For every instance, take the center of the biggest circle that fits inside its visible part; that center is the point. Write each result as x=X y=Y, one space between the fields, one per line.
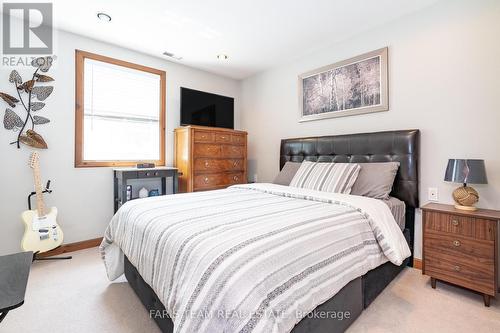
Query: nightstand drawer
x=461 y=225
x=479 y=277
x=478 y=251
x=151 y=173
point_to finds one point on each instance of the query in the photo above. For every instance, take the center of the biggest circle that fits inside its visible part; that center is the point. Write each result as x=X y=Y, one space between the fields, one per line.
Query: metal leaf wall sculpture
x=35 y=106
x=42 y=92
x=33 y=139
x=42 y=63
x=14 y=77
x=11 y=120
x=27 y=86
x=40 y=120
x=43 y=78
x=9 y=99
x=32 y=91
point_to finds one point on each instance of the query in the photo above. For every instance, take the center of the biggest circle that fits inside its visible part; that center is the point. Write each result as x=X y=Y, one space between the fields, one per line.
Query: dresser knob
x=456 y=268
x=206 y=164
x=456 y=243
x=235 y=164
x=454 y=222
x=235 y=178
x=147 y=174
x=206 y=180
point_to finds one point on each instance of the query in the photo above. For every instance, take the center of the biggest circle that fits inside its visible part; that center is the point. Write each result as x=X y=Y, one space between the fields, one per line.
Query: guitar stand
x=47 y=190
x=35 y=254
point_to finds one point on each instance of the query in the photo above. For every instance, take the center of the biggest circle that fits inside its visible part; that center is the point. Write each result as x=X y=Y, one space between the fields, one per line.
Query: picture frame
x=354 y=86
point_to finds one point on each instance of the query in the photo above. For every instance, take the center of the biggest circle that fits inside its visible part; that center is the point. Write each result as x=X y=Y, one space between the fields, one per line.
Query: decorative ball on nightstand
x=465 y=196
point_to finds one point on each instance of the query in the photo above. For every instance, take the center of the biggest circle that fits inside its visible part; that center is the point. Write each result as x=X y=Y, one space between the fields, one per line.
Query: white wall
x=84 y=197
x=444 y=79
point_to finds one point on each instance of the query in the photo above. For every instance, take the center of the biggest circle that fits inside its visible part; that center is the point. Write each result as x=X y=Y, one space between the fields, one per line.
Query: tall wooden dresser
x=210 y=158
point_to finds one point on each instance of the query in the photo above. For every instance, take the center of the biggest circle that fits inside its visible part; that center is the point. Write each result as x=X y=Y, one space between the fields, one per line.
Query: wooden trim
x=71 y=247
x=417 y=263
x=80 y=57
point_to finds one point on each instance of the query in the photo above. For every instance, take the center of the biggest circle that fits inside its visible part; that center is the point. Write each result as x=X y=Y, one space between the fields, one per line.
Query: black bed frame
x=400 y=146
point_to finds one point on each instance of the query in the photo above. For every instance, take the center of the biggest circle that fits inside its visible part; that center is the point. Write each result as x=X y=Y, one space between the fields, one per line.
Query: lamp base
x=467 y=208
x=465 y=198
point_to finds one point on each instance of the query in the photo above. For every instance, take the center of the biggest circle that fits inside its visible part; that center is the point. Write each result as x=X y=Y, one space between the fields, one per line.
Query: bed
x=335 y=312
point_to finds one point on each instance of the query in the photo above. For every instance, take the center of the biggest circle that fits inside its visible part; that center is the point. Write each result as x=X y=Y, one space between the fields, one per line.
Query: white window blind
x=121 y=113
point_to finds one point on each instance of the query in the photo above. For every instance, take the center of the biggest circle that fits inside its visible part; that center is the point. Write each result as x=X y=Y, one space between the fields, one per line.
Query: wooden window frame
x=80 y=57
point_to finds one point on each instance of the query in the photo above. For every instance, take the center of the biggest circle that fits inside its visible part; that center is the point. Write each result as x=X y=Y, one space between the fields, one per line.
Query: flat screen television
x=205 y=109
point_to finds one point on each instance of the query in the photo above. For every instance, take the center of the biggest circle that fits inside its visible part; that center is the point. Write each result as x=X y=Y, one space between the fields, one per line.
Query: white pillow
x=327 y=177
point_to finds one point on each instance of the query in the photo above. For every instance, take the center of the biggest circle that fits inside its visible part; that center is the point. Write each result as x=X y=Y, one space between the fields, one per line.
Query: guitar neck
x=40 y=204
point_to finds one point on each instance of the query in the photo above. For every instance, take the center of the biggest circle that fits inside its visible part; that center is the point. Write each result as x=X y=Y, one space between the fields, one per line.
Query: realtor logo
x=27 y=28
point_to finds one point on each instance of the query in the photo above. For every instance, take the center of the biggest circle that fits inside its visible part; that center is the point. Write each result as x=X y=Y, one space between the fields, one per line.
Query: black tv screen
x=205 y=109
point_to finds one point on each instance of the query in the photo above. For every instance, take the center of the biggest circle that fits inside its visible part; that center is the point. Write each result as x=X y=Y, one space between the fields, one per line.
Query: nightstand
x=461 y=247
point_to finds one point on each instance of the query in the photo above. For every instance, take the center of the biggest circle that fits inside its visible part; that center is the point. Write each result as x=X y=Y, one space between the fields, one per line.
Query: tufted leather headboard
x=400 y=146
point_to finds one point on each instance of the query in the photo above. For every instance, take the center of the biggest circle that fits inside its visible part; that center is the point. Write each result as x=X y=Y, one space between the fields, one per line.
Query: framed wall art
x=354 y=86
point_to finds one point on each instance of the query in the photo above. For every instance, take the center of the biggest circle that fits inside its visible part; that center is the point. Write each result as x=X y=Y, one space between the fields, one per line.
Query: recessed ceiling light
x=104 y=17
x=222 y=56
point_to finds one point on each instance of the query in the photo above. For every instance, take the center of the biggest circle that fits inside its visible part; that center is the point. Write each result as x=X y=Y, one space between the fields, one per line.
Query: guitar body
x=41 y=234
x=41 y=231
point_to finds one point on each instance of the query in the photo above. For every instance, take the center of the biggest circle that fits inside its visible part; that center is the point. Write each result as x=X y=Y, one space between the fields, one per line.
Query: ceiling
x=255 y=34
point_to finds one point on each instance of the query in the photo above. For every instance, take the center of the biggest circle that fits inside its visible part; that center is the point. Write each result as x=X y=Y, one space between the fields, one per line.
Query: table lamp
x=466 y=172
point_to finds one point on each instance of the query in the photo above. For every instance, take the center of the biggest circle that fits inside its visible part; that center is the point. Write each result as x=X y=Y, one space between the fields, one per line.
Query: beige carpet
x=75 y=296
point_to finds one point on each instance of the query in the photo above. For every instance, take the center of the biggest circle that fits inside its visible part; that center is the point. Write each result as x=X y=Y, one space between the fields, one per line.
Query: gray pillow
x=286 y=174
x=375 y=180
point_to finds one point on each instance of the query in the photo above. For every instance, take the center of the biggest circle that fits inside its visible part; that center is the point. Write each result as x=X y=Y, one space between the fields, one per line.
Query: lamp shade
x=466 y=171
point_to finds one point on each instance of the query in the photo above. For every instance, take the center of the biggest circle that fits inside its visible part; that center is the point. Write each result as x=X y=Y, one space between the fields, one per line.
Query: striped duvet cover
x=250 y=258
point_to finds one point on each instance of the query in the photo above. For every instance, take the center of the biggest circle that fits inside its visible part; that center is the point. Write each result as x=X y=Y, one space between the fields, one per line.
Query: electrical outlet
x=433 y=194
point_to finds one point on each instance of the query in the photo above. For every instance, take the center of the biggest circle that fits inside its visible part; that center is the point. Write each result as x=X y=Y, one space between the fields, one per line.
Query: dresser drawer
x=233 y=151
x=238 y=139
x=234 y=178
x=204 y=136
x=222 y=138
x=460 y=225
x=479 y=277
x=218 y=165
x=207 y=150
x=473 y=250
x=206 y=181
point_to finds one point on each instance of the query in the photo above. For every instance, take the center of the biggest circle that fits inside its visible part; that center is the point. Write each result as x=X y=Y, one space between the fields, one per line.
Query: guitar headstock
x=34 y=159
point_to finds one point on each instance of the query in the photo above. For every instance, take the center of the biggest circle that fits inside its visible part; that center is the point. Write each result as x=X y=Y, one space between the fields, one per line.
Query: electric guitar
x=41 y=232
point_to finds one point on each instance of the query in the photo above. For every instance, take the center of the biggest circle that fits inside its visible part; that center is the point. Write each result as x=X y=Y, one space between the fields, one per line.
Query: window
x=120 y=112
